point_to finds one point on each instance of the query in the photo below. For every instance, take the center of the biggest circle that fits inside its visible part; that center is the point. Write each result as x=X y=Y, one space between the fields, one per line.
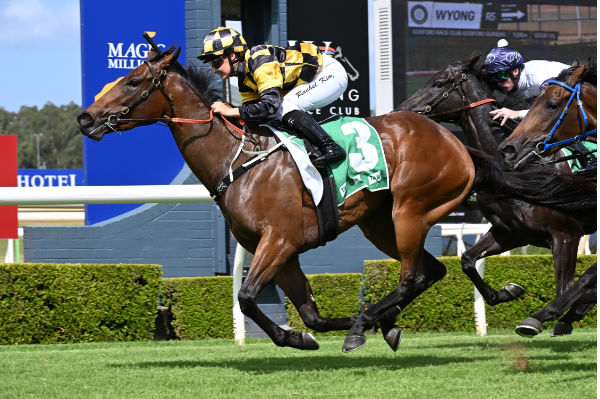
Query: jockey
x=508 y=72
x=278 y=83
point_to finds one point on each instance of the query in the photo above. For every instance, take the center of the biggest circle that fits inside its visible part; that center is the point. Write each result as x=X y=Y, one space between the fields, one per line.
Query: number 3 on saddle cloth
x=363 y=168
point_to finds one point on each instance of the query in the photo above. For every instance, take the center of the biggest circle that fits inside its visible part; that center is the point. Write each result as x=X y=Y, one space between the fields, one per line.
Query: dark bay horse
x=459 y=94
x=564 y=113
x=271 y=213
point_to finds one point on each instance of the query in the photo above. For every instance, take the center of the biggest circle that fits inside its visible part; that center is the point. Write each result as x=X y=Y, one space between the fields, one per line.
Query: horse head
x=563 y=113
x=442 y=97
x=139 y=98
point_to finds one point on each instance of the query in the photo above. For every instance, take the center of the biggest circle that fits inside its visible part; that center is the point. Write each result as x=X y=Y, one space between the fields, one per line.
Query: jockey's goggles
x=501 y=76
x=216 y=62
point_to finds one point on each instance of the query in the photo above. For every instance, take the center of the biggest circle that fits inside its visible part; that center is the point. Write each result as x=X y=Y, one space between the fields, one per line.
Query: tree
x=60 y=142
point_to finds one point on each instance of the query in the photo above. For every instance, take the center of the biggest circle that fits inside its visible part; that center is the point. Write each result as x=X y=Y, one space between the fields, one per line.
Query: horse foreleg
x=494 y=242
x=268 y=260
x=564 y=252
x=580 y=297
x=294 y=283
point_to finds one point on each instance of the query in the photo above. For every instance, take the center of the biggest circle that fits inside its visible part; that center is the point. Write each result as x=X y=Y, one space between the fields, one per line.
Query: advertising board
x=112 y=45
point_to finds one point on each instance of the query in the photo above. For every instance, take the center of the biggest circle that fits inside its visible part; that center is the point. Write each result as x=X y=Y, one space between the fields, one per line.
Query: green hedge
x=337 y=295
x=54 y=303
x=50 y=303
x=448 y=304
x=201 y=307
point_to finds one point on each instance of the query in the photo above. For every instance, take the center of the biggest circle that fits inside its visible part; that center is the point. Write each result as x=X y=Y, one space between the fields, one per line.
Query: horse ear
x=166 y=61
x=575 y=63
x=589 y=72
x=472 y=60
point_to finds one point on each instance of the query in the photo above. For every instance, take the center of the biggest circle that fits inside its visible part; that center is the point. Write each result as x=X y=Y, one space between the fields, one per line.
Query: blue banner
x=112 y=46
x=50 y=177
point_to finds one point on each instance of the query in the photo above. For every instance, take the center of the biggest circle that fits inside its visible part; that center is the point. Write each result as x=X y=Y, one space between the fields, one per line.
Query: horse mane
x=545 y=186
x=589 y=76
x=202 y=80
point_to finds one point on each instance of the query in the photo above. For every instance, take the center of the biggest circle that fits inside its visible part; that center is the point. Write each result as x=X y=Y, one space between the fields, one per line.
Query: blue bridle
x=575 y=92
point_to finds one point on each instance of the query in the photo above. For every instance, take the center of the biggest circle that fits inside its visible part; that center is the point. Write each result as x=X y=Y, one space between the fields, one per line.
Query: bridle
x=542 y=146
x=456 y=85
x=114 y=120
x=575 y=93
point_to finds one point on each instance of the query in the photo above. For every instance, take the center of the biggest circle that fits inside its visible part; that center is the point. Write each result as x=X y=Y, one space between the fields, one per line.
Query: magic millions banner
x=112 y=45
x=343 y=29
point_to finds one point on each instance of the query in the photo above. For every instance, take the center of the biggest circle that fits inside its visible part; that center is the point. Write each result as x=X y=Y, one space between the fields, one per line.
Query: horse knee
x=467 y=263
x=247 y=301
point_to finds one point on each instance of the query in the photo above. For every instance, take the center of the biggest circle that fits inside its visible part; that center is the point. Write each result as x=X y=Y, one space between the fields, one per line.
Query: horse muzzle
x=91 y=127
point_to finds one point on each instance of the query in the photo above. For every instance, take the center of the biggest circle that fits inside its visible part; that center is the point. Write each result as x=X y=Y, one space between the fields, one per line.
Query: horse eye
x=552 y=105
x=438 y=84
x=133 y=83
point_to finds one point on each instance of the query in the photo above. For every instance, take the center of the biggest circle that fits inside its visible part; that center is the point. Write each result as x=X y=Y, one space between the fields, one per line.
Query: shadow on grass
x=261 y=365
x=555 y=344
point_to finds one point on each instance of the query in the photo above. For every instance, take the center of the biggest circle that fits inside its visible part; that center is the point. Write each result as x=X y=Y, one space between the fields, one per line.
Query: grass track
x=501 y=365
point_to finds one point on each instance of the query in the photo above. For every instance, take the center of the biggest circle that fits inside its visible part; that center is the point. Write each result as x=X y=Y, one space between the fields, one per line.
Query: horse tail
x=544 y=186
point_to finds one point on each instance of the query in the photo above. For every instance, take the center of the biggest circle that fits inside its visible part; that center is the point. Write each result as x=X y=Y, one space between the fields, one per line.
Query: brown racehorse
x=564 y=113
x=270 y=212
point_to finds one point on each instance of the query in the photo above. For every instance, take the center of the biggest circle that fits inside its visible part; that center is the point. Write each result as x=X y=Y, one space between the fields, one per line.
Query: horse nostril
x=508 y=149
x=85 y=119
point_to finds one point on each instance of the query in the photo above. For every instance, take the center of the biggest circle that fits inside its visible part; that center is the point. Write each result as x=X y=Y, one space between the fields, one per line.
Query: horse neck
x=476 y=122
x=208 y=149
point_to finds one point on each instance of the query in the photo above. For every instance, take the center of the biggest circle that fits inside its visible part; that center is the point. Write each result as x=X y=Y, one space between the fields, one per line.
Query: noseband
x=575 y=92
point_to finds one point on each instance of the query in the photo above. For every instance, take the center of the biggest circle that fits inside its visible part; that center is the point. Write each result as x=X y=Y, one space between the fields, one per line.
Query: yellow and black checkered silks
x=270 y=66
x=220 y=40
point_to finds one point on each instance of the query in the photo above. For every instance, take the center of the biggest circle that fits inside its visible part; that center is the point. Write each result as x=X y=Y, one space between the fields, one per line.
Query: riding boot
x=302 y=122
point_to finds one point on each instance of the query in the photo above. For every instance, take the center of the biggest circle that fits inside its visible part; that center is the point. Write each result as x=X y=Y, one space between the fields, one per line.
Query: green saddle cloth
x=574 y=163
x=364 y=166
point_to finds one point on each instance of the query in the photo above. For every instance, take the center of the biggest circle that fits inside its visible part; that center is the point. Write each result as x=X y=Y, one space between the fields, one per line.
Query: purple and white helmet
x=502 y=58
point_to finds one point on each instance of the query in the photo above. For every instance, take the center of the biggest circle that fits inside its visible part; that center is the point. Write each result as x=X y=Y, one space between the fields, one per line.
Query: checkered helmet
x=222 y=41
x=502 y=58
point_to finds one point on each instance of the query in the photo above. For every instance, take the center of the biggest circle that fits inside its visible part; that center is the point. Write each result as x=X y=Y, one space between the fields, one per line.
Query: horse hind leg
x=296 y=286
x=414 y=281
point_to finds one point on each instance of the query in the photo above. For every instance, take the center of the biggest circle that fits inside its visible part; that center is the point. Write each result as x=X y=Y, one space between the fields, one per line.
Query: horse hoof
x=353 y=342
x=393 y=337
x=561 y=328
x=309 y=342
x=513 y=290
x=529 y=328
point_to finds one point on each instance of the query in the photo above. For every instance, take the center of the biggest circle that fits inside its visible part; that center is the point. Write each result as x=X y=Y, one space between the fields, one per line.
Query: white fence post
x=10 y=251
x=460 y=230
x=239 y=328
x=479 y=303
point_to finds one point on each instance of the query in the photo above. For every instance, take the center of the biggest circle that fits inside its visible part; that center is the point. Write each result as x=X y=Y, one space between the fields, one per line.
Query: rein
x=158 y=83
x=575 y=92
x=455 y=86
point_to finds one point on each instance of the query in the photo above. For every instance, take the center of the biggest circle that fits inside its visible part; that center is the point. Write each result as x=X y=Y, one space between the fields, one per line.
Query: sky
x=41 y=53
